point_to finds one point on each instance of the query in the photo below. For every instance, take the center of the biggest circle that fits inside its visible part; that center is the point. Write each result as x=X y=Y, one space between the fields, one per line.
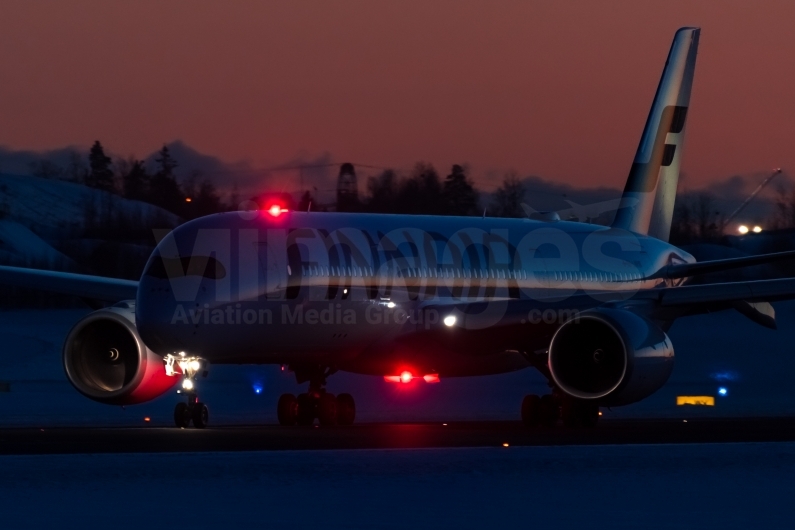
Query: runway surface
x=21 y=441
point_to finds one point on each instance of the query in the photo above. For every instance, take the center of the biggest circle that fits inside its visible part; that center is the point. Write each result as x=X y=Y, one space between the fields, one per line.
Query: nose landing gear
x=194 y=410
x=316 y=403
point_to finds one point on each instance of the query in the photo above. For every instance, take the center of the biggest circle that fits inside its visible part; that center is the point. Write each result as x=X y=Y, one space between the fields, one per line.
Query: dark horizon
x=319 y=175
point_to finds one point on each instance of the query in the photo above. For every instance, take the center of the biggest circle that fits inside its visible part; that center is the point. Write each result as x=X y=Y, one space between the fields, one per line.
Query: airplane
x=583 y=213
x=416 y=298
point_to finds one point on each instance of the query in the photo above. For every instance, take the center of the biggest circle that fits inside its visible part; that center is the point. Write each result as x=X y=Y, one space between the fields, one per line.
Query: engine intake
x=610 y=355
x=106 y=360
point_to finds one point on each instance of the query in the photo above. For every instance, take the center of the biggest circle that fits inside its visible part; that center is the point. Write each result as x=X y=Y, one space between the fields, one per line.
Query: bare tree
x=784 y=216
x=682 y=224
x=508 y=198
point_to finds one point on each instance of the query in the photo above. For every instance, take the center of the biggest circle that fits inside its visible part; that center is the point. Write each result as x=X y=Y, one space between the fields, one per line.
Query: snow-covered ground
x=754 y=364
x=20 y=246
x=57 y=225
x=55 y=208
x=722 y=486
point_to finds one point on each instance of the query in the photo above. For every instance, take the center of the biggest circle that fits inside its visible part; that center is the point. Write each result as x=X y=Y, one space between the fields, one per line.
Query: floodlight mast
x=759 y=188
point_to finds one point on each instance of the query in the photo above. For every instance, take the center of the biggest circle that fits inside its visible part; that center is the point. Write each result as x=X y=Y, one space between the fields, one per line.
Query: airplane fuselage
x=371 y=293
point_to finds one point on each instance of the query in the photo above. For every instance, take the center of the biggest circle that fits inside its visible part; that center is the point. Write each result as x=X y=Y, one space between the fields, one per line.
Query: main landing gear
x=316 y=403
x=194 y=410
x=546 y=410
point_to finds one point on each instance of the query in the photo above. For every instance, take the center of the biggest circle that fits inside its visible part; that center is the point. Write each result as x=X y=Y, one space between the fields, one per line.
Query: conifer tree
x=459 y=194
x=207 y=200
x=100 y=174
x=422 y=192
x=164 y=190
x=135 y=181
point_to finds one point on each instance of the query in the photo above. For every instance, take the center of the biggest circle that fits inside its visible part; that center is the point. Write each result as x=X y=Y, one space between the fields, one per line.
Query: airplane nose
x=155 y=308
x=188 y=273
x=170 y=293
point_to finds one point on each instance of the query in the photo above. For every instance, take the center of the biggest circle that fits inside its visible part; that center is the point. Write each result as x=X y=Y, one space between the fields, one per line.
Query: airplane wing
x=692 y=269
x=750 y=291
x=83 y=285
x=751 y=298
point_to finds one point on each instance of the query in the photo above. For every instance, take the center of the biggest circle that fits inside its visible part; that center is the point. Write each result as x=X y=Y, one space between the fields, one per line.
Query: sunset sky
x=557 y=89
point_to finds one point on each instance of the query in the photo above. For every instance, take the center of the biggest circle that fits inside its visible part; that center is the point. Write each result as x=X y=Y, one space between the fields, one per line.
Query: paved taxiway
x=389 y=435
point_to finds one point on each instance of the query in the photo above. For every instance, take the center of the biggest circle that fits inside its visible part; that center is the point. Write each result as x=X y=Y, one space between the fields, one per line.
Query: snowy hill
x=56 y=209
x=58 y=225
x=19 y=246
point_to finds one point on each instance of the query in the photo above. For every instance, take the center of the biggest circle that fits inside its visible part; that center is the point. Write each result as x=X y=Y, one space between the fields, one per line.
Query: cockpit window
x=205 y=266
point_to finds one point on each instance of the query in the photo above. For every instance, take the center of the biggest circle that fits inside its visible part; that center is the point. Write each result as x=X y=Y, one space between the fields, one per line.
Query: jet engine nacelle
x=106 y=360
x=610 y=355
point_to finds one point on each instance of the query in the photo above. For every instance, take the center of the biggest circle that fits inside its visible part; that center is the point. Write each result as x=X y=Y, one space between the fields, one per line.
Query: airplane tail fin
x=649 y=195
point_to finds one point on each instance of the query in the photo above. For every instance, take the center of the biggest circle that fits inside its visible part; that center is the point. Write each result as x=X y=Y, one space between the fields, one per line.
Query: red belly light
x=406 y=377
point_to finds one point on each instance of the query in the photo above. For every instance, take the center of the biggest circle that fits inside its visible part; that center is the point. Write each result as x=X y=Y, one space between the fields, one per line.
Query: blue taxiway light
x=723 y=391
